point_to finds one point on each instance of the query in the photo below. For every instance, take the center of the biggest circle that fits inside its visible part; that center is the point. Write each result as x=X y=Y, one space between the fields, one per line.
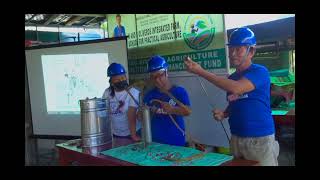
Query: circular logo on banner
x=198 y=31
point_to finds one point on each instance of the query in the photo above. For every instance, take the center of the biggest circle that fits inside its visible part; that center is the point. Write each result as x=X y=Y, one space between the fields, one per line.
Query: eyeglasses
x=157 y=75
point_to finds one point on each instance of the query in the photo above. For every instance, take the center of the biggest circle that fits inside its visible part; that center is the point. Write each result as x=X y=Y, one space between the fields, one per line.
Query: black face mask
x=121 y=85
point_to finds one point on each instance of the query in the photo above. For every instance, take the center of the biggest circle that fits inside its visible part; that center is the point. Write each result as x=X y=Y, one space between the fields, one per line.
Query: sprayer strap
x=176 y=124
x=128 y=91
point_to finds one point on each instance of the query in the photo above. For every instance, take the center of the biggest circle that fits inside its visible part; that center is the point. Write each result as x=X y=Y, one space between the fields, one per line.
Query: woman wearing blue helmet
x=248 y=94
x=123 y=109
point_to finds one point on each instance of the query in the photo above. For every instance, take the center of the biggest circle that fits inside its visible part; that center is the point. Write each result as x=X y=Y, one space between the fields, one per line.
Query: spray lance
x=212 y=106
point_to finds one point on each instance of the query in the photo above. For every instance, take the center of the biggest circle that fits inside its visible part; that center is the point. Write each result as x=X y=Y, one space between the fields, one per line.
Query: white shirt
x=118 y=115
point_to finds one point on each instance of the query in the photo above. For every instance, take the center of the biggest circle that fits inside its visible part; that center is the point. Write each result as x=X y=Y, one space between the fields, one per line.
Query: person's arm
x=132 y=113
x=235 y=87
x=183 y=111
x=132 y=116
x=182 y=100
x=241 y=86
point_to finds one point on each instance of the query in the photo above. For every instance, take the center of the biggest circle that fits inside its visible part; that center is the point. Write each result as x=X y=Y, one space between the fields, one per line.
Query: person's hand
x=192 y=66
x=165 y=106
x=218 y=114
x=135 y=138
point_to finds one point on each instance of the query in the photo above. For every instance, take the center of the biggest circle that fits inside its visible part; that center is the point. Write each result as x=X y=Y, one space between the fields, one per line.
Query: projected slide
x=71 y=77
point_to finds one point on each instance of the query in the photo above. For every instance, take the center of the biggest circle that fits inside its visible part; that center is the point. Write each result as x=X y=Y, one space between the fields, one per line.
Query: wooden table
x=69 y=155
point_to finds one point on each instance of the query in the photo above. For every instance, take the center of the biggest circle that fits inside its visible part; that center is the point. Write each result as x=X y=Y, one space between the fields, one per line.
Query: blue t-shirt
x=118 y=32
x=250 y=113
x=163 y=129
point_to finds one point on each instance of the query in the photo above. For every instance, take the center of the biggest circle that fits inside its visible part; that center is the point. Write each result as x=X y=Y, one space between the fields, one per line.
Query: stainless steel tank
x=95 y=122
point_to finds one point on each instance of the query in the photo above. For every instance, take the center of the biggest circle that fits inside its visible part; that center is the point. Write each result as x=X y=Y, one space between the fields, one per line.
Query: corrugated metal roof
x=88 y=20
x=277 y=30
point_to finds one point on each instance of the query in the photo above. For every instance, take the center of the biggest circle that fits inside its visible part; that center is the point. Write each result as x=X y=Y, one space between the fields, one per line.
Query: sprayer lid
x=93 y=103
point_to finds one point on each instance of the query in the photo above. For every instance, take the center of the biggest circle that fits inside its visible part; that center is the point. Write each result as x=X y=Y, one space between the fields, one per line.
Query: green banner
x=210 y=59
x=197 y=31
x=154 y=29
x=173 y=36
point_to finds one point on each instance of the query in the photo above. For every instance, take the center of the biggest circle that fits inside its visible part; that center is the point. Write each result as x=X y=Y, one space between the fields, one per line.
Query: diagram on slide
x=72 y=77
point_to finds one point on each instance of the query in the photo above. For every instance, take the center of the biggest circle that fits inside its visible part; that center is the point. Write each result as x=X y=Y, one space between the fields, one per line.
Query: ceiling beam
x=31 y=18
x=62 y=19
x=88 y=22
x=92 y=25
x=89 y=15
x=51 y=18
x=72 y=20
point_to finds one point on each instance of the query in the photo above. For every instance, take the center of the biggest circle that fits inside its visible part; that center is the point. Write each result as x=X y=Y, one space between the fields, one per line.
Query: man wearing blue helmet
x=167 y=122
x=123 y=109
x=248 y=94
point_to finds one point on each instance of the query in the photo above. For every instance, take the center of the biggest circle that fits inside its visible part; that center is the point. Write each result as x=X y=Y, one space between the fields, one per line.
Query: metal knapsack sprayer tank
x=95 y=122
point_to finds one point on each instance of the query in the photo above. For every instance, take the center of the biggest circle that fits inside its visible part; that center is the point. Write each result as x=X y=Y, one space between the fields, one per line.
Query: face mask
x=121 y=85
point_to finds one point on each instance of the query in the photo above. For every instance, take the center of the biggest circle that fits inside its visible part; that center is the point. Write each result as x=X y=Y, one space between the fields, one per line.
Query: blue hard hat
x=156 y=63
x=115 y=69
x=242 y=37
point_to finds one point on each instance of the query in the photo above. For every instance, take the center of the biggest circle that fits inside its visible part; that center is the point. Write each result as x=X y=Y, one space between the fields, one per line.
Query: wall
x=29 y=143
